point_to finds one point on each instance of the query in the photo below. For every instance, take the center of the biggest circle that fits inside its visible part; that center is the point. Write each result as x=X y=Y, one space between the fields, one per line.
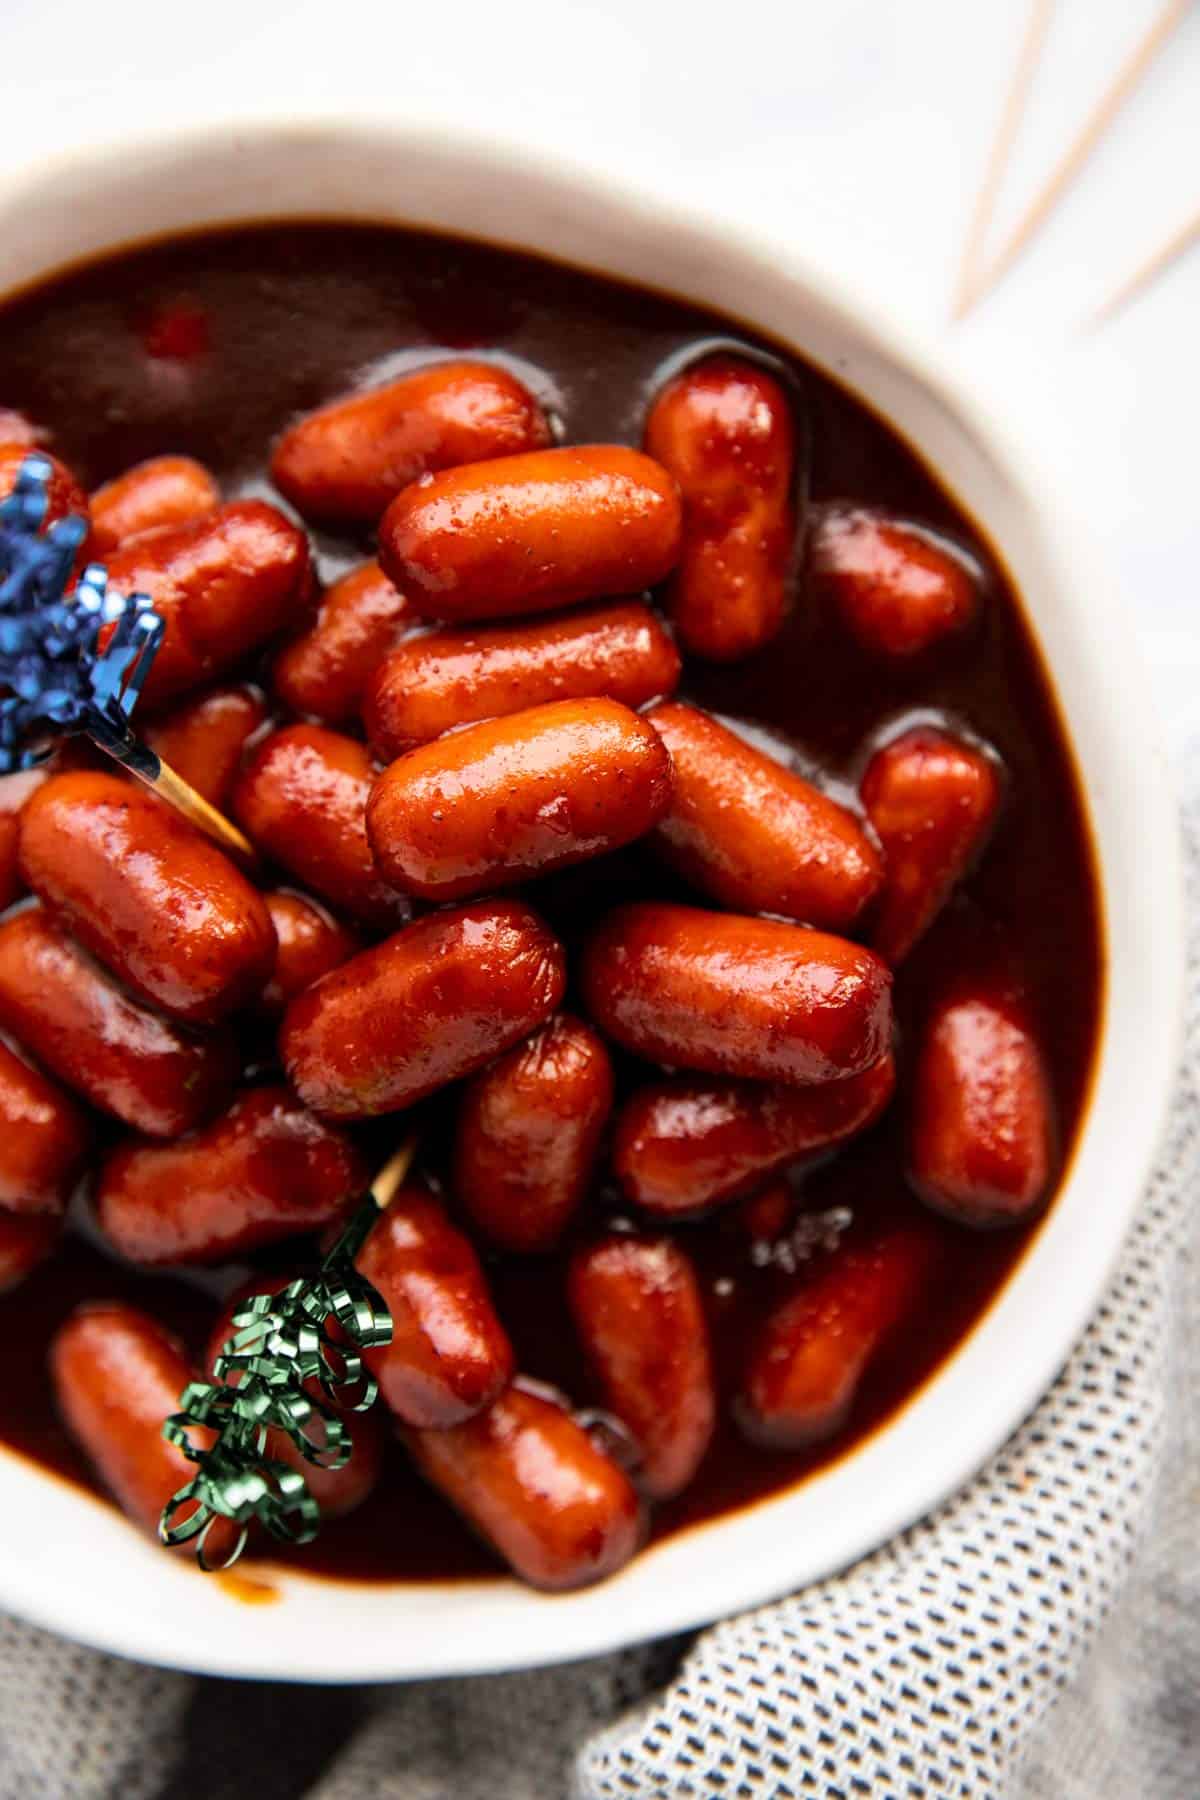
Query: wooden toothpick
x=1015 y=104
x=163 y=780
x=394 y=1173
x=1080 y=150
x=1148 y=271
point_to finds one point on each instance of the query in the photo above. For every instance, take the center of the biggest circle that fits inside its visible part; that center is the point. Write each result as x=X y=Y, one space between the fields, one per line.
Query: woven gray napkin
x=1036 y=1639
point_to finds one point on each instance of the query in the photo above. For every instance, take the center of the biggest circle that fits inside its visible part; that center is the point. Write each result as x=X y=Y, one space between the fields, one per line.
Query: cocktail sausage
x=265 y=1170
x=899 y=588
x=530 y=1480
x=146 y=1070
x=44 y=1138
x=310 y=945
x=529 y=533
x=637 y=1308
x=224 y=583
x=932 y=799
x=204 y=736
x=26 y=1240
x=324 y=671
x=804 y=1369
x=449 y=1355
x=147 y=894
x=511 y=799
x=528 y=1131
x=302 y=798
x=981 y=1147
x=431 y=1004
x=753 y=834
x=724 y=430
x=15 y=790
x=166 y=490
x=685 y=1145
x=351 y=458
x=736 y=996
x=117 y=1375
x=445 y=679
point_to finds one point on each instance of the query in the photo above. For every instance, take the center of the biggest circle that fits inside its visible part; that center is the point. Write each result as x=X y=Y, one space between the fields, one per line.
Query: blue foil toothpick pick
x=58 y=679
x=55 y=677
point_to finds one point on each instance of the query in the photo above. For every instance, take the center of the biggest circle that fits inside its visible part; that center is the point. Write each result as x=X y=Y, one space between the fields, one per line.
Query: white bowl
x=71 y=1563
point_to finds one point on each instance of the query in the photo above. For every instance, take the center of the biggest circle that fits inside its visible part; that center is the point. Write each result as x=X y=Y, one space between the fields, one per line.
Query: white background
x=857 y=127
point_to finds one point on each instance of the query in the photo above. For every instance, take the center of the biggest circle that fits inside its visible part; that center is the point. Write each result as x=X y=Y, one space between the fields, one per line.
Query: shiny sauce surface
x=208 y=346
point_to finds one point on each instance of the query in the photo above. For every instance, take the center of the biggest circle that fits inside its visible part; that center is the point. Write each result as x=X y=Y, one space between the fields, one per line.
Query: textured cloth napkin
x=1036 y=1639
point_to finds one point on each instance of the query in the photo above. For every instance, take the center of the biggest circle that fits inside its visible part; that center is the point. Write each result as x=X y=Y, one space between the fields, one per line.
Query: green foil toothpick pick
x=311 y=1332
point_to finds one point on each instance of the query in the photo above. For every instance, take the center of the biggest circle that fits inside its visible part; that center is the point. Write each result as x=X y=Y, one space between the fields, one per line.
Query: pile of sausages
x=487 y=703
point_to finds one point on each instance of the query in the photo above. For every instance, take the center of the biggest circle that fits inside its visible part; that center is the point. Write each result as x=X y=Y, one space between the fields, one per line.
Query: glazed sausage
x=64 y=496
x=166 y=490
x=323 y=671
x=724 y=430
x=302 y=798
x=637 y=1308
x=431 y=1004
x=528 y=1132
x=736 y=996
x=351 y=458
x=224 y=584
x=264 y=1170
x=445 y=679
x=449 y=1355
x=898 y=587
x=531 y=533
x=932 y=799
x=804 y=1368
x=685 y=1145
x=117 y=1375
x=15 y=790
x=126 y=1060
x=203 y=738
x=151 y=898
x=26 y=1239
x=511 y=799
x=531 y=1481
x=754 y=835
x=336 y=1491
x=310 y=944
x=44 y=1138
x=981 y=1147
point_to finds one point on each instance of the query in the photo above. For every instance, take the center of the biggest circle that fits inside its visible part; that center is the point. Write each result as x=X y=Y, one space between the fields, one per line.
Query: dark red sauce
x=208 y=346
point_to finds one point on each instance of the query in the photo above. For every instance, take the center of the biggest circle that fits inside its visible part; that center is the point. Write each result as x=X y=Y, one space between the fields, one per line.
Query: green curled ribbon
x=285 y=1350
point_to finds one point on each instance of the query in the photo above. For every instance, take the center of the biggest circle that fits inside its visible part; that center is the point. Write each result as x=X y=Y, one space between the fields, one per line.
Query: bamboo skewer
x=1079 y=151
x=391 y=1177
x=1176 y=246
x=161 y=779
x=1015 y=103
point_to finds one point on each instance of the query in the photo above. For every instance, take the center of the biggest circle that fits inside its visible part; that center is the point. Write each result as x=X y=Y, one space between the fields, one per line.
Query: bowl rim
x=681 y=1593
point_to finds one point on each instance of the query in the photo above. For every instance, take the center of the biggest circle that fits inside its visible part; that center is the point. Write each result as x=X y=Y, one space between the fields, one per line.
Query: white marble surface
x=859 y=126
